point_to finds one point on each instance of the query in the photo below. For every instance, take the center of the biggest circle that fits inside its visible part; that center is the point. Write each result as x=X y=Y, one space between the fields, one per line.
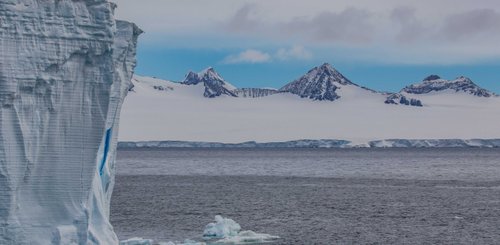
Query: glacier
x=65 y=70
x=324 y=143
x=187 y=118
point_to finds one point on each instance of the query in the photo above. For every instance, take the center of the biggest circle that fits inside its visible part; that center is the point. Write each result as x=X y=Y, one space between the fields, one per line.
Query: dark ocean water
x=312 y=196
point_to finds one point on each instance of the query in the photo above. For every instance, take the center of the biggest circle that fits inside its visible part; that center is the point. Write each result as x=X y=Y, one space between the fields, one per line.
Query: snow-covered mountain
x=321 y=83
x=164 y=110
x=213 y=83
x=434 y=83
x=326 y=83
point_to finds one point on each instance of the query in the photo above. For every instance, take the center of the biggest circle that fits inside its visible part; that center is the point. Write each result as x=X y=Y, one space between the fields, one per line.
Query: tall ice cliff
x=65 y=68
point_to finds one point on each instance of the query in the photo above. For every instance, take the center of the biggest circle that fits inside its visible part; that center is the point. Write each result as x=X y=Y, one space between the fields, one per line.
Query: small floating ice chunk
x=248 y=237
x=137 y=241
x=228 y=232
x=186 y=242
x=221 y=232
x=221 y=228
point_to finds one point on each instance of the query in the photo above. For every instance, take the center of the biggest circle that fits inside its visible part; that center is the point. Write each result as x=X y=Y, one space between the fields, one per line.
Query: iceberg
x=65 y=70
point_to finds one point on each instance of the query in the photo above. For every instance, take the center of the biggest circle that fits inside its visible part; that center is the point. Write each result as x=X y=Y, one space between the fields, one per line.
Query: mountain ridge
x=325 y=83
x=434 y=83
x=181 y=112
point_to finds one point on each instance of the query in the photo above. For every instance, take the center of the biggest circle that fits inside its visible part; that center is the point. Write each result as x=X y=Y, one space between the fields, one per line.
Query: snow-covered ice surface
x=359 y=116
x=65 y=68
x=400 y=143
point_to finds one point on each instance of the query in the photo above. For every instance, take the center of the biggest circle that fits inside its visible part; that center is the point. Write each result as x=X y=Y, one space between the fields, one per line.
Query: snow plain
x=180 y=112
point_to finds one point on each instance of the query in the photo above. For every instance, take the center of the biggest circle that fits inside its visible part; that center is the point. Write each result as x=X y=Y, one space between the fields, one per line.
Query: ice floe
x=137 y=241
x=221 y=232
x=229 y=232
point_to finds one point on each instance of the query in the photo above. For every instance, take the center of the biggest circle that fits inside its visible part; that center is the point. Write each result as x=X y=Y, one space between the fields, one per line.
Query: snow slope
x=65 y=68
x=358 y=115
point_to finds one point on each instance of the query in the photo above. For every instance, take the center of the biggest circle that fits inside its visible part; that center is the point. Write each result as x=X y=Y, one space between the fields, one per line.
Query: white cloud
x=248 y=56
x=296 y=52
x=253 y=56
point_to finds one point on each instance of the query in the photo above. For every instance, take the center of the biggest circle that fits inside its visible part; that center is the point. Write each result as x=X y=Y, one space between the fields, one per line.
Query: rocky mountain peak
x=320 y=83
x=214 y=84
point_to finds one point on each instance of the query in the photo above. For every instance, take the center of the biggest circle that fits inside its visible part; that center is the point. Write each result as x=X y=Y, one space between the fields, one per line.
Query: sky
x=383 y=44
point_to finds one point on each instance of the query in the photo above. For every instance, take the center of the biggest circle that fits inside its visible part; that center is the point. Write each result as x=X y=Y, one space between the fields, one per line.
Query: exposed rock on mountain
x=255 y=92
x=399 y=99
x=320 y=83
x=214 y=84
x=435 y=83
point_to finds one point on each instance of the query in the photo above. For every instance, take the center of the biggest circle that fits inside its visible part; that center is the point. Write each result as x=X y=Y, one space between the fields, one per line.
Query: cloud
x=296 y=52
x=411 y=29
x=470 y=24
x=444 y=32
x=248 y=56
x=254 y=56
x=459 y=30
x=242 y=20
x=347 y=26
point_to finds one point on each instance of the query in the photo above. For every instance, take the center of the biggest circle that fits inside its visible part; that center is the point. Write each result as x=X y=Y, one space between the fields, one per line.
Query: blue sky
x=385 y=45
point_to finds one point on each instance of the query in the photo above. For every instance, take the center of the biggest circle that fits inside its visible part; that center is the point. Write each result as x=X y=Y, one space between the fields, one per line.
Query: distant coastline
x=323 y=143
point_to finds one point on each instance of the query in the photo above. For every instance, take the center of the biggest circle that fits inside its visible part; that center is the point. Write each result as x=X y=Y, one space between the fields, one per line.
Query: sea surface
x=312 y=196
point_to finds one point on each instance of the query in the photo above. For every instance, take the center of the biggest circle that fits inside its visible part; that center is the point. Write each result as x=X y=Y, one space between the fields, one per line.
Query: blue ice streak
x=106 y=149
